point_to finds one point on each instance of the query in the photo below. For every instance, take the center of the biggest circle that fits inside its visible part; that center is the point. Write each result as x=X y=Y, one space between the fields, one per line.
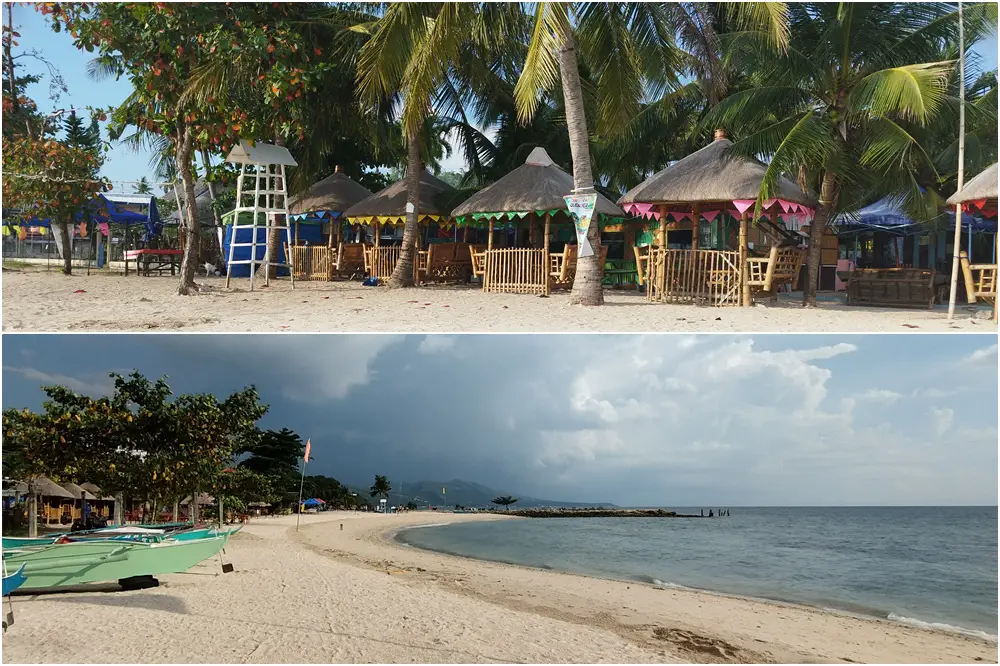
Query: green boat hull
x=104 y=561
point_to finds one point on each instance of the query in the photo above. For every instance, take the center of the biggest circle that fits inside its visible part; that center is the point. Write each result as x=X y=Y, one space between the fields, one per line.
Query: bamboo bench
x=781 y=266
x=891 y=287
x=980 y=280
x=641 y=262
x=445 y=262
x=349 y=261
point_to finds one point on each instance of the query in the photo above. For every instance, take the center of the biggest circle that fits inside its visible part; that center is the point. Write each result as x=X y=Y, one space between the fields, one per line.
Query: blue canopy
x=103 y=210
x=311 y=502
x=886 y=215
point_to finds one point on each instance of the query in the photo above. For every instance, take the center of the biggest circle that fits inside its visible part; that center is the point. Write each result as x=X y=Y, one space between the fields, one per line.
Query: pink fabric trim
x=710 y=215
x=743 y=204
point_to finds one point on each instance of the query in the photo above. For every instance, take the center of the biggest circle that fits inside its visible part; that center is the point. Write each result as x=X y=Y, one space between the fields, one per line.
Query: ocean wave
x=940 y=626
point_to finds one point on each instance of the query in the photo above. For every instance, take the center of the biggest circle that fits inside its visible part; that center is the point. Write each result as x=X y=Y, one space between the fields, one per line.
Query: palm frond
x=909 y=91
x=541 y=66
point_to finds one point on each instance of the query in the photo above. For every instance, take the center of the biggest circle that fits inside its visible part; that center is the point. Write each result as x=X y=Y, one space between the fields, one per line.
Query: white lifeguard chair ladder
x=262 y=177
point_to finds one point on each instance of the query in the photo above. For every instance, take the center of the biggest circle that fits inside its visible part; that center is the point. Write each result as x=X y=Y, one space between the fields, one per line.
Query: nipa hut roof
x=389 y=205
x=711 y=175
x=46 y=488
x=76 y=491
x=93 y=488
x=983 y=186
x=335 y=193
x=538 y=185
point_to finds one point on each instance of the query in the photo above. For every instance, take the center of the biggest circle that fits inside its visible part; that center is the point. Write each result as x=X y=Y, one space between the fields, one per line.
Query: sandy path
x=46 y=301
x=286 y=603
x=699 y=627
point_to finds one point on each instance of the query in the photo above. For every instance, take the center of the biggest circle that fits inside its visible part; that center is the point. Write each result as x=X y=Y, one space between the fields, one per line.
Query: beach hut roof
x=390 y=204
x=76 y=491
x=203 y=499
x=538 y=185
x=46 y=488
x=983 y=186
x=712 y=175
x=95 y=489
x=334 y=193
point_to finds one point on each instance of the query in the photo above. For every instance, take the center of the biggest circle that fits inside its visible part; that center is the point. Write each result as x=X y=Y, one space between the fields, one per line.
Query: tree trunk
x=32 y=510
x=273 y=236
x=587 y=288
x=215 y=213
x=827 y=199
x=119 y=518
x=177 y=510
x=402 y=274
x=189 y=220
x=66 y=240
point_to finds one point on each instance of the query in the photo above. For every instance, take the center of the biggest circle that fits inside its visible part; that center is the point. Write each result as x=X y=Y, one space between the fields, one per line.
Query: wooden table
x=148 y=261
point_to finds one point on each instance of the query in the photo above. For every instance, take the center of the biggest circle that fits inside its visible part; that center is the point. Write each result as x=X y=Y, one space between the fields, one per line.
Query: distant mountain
x=465 y=493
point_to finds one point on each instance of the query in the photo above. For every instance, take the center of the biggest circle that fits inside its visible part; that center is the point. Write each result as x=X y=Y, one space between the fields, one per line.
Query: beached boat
x=13 y=581
x=97 y=560
x=125 y=532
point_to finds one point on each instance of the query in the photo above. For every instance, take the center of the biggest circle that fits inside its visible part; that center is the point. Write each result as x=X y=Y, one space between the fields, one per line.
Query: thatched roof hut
x=713 y=178
x=537 y=186
x=46 y=488
x=96 y=491
x=77 y=491
x=389 y=205
x=982 y=188
x=328 y=198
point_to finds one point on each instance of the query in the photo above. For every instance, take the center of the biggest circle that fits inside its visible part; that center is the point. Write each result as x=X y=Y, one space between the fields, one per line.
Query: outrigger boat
x=13 y=581
x=104 y=560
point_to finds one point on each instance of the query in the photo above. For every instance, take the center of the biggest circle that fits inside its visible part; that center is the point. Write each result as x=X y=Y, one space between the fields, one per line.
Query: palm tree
x=833 y=108
x=412 y=51
x=143 y=186
x=381 y=488
x=630 y=50
x=505 y=501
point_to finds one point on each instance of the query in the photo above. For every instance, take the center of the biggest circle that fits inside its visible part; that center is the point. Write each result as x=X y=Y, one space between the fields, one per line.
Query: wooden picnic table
x=149 y=260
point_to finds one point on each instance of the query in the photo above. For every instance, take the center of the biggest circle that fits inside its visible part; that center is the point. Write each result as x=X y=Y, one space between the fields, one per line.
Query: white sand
x=331 y=595
x=45 y=301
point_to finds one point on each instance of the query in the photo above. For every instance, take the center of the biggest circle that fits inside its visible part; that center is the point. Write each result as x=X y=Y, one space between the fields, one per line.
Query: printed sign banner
x=581 y=207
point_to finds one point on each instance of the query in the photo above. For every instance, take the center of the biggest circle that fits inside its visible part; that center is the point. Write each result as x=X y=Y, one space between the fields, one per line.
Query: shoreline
x=703 y=625
x=915 y=623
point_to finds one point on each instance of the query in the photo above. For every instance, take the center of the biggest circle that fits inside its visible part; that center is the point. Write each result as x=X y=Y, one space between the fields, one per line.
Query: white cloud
x=879 y=396
x=986 y=356
x=92 y=387
x=933 y=393
x=433 y=344
x=942 y=420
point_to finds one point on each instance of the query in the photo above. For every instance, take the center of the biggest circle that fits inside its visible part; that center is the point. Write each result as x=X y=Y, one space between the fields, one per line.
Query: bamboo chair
x=980 y=280
x=477 y=258
x=562 y=266
x=781 y=266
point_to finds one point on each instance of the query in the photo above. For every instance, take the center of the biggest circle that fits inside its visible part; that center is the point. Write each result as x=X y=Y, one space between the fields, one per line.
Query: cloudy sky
x=635 y=420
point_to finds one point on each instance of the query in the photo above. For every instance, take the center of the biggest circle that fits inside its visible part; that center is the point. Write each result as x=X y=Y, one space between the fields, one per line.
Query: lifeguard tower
x=261 y=196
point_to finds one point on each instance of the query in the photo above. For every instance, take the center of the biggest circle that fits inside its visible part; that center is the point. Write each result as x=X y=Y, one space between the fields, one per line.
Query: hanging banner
x=581 y=208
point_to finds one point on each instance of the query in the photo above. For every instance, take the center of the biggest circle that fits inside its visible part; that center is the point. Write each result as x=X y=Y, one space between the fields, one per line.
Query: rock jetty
x=595 y=512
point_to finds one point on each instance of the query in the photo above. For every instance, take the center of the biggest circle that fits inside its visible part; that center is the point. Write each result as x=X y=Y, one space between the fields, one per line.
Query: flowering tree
x=51 y=179
x=172 y=54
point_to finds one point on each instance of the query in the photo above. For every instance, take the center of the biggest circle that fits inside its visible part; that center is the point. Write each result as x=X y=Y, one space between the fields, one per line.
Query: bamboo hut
x=529 y=201
x=319 y=250
x=79 y=493
x=387 y=208
x=714 y=186
x=102 y=504
x=979 y=197
x=56 y=503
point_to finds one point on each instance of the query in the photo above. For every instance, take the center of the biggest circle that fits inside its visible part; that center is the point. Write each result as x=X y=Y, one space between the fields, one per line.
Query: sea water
x=927 y=566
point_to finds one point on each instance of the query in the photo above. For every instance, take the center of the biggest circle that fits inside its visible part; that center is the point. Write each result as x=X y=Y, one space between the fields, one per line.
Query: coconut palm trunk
x=189 y=219
x=587 y=283
x=32 y=510
x=402 y=274
x=827 y=200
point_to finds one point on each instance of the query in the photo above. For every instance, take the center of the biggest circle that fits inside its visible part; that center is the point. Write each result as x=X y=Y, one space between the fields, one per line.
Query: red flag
x=308 y=446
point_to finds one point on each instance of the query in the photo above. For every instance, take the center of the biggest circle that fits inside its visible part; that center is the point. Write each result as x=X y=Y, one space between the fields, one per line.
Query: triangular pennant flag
x=743 y=204
x=710 y=215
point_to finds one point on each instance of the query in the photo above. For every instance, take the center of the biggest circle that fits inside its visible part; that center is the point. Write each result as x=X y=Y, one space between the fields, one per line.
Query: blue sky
x=124 y=164
x=665 y=420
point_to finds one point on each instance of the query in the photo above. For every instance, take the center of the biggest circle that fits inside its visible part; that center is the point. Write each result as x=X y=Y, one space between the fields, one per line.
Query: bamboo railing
x=980 y=280
x=704 y=277
x=381 y=260
x=516 y=271
x=312 y=262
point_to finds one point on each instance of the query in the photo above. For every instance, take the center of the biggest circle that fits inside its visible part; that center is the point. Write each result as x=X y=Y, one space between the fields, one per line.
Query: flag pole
x=302 y=480
x=956 y=249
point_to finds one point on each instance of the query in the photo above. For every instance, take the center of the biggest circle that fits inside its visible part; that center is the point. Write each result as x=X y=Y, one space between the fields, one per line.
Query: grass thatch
x=391 y=202
x=983 y=186
x=334 y=193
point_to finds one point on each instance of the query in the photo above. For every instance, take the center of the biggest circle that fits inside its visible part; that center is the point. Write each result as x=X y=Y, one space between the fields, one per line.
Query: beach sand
x=332 y=594
x=37 y=300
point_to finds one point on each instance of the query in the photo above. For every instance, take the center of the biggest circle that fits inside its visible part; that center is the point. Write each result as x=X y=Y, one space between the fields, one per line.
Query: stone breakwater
x=594 y=513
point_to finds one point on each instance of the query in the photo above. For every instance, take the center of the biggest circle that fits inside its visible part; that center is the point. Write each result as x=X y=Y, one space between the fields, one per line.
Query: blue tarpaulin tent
x=242 y=252
x=312 y=502
x=101 y=210
x=885 y=215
